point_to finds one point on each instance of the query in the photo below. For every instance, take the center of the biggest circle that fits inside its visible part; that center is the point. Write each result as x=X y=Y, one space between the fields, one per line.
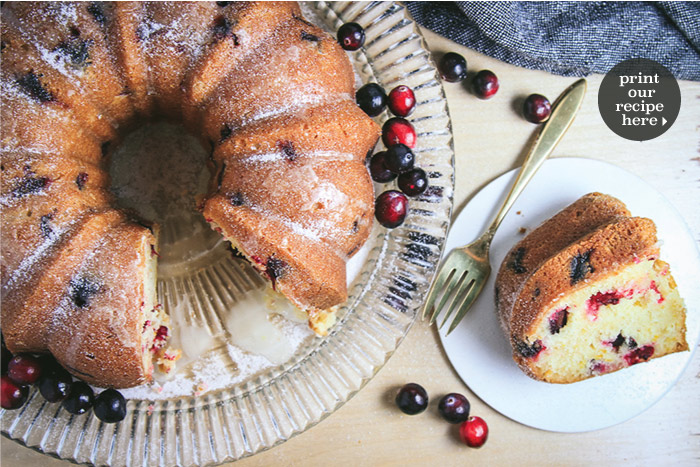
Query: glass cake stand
x=247 y=416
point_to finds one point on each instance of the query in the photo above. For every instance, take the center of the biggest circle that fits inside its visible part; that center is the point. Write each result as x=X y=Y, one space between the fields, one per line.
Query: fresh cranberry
x=399 y=158
x=371 y=98
x=110 y=406
x=351 y=36
x=80 y=398
x=413 y=182
x=453 y=67
x=398 y=130
x=390 y=208
x=536 y=108
x=378 y=169
x=640 y=354
x=412 y=399
x=12 y=395
x=474 y=432
x=24 y=369
x=485 y=84
x=454 y=408
x=603 y=299
x=402 y=101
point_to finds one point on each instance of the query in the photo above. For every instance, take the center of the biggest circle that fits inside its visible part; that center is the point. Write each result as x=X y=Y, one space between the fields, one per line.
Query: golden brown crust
x=29 y=305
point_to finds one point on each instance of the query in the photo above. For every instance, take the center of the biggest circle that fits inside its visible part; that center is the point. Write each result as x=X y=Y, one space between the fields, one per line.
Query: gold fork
x=465 y=270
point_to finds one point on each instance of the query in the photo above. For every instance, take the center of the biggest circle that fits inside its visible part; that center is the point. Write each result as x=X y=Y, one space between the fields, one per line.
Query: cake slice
x=109 y=308
x=603 y=302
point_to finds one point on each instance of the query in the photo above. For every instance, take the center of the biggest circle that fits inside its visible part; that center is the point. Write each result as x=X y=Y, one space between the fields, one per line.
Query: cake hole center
x=159 y=172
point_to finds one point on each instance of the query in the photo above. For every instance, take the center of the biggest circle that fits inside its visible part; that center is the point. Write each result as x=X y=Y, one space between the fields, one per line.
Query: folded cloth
x=572 y=38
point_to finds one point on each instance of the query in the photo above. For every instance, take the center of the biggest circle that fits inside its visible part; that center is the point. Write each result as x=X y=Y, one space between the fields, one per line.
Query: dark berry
x=454 y=408
x=453 y=67
x=580 y=266
x=398 y=130
x=54 y=385
x=351 y=36
x=31 y=85
x=618 y=342
x=12 y=395
x=529 y=351
x=80 y=398
x=81 y=180
x=378 y=169
x=402 y=101
x=24 y=369
x=371 y=98
x=474 y=432
x=558 y=320
x=412 y=399
x=81 y=290
x=390 y=208
x=399 y=158
x=536 y=108
x=485 y=84
x=516 y=262
x=110 y=406
x=30 y=185
x=6 y=357
x=97 y=12
x=75 y=51
x=413 y=182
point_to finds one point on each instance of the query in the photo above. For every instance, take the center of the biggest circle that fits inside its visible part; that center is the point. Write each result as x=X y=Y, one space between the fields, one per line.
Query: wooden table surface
x=489 y=139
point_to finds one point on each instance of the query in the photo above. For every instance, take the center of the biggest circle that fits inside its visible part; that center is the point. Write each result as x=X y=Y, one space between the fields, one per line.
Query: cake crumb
x=522 y=230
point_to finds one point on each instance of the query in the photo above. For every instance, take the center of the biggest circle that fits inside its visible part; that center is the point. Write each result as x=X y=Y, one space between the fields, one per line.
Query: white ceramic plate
x=478 y=349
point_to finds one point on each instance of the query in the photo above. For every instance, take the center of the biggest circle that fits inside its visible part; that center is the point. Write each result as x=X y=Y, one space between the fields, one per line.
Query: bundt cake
x=585 y=294
x=268 y=93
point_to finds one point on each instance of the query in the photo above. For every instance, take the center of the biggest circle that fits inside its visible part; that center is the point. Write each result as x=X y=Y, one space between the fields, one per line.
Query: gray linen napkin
x=572 y=38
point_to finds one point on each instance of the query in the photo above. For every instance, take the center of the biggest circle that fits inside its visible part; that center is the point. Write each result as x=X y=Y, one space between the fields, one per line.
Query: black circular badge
x=639 y=99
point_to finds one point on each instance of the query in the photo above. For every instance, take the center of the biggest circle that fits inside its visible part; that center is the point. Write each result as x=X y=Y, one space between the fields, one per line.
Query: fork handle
x=563 y=112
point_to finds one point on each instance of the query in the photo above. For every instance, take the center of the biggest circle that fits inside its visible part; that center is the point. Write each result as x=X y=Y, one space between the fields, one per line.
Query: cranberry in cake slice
x=576 y=307
x=633 y=315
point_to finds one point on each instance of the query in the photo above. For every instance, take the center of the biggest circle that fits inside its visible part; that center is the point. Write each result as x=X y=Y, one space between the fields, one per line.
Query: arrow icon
x=663 y=121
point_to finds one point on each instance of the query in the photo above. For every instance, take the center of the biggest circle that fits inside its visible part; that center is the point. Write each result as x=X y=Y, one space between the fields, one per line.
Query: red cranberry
x=378 y=169
x=351 y=36
x=12 y=395
x=640 y=354
x=398 y=130
x=412 y=399
x=454 y=408
x=485 y=84
x=413 y=182
x=399 y=158
x=536 y=108
x=474 y=432
x=24 y=369
x=371 y=98
x=453 y=67
x=390 y=208
x=402 y=101
x=110 y=406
